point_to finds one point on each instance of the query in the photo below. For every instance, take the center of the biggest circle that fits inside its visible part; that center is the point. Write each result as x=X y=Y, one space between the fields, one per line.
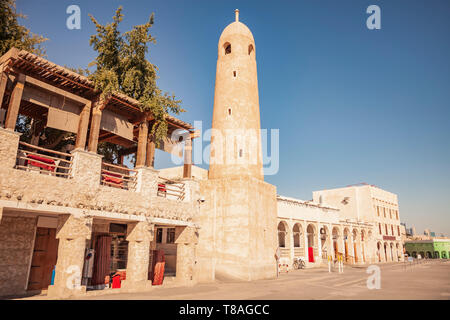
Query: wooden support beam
x=150 y=161
x=56 y=90
x=83 y=124
x=99 y=105
x=142 y=144
x=14 y=103
x=187 y=168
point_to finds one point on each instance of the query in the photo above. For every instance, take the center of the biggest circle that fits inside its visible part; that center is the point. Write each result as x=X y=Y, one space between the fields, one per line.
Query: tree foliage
x=121 y=66
x=12 y=34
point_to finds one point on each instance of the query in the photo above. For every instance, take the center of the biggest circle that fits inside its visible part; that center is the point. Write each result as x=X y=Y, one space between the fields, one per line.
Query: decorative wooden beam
x=14 y=103
x=142 y=144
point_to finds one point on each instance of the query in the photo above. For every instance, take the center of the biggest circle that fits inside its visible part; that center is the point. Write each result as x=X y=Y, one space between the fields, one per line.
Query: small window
x=229 y=111
x=240 y=153
x=250 y=49
x=234 y=74
x=171 y=235
x=227 y=47
x=159 y=235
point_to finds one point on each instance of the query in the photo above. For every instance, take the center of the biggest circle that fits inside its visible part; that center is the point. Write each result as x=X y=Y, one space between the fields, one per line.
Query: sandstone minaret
x=236 y=143
x=238 y=219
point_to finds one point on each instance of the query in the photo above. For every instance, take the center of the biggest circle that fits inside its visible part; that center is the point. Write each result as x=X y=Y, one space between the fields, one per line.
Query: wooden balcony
x=43 y=161
x=171 y=189
x=116 y=176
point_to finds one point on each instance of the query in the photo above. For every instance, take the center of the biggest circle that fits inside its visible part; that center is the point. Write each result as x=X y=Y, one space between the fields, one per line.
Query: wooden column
x=14 y=103
x=83 y=124
x=99 y=105
x=187 y=169
x=142 y=144
x=3 y=82
x=150 y=161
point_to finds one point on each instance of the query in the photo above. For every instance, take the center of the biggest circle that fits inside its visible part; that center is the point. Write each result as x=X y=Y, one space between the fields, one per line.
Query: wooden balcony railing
x=116 y=176
x=170 y=189
x=44 y=161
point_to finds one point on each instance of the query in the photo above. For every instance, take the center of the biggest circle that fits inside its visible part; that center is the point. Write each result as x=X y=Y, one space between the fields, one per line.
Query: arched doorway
x=385 y=252
x=324 y=237
x=297 y=232
x=346 y=240
x=414 y=254
x=422 y=254
x=429 y=255
x=436 y=254
x=282 y=234
x=355 y=242
x=363 y=245
x=336 y=235
x=392 y=251
x=311 y=233
x=399 y=256
x=379 y=251
x=443 y=255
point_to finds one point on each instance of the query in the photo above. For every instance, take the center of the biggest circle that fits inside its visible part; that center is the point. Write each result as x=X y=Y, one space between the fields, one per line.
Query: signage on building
x=392 y=238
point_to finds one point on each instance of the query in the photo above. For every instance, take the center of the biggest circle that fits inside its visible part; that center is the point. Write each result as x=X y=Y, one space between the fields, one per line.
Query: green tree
x=12 y=34
x=121 y=66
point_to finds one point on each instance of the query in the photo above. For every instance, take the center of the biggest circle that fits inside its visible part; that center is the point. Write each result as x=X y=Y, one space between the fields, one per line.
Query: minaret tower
x=236 y=142
x=238 y=217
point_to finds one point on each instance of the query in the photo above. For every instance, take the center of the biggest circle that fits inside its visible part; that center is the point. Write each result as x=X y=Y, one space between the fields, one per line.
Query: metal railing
x=171 y=189
x=44 y=161
x=116 y=176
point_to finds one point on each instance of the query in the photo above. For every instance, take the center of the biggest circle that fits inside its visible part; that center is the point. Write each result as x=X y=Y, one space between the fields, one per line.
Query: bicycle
x=298 y=264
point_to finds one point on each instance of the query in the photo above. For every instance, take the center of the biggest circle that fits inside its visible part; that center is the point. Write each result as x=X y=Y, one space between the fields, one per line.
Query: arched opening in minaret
x=227 y=47
x=250 y=49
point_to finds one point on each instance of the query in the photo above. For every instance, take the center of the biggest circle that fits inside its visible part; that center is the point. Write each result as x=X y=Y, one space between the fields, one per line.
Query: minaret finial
x=236 y=12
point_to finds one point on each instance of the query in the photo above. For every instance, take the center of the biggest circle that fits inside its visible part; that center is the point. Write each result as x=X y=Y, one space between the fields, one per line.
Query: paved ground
x=430 y=280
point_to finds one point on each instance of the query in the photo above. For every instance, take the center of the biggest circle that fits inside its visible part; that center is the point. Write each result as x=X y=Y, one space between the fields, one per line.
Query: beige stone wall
x=237 y=230
x=175 y=173
x=16 y=245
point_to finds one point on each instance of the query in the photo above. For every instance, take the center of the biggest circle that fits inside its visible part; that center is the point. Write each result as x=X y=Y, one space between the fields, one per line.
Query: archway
x=363 y=245
x=436 y=254
x=355 y=242
x=282 y=234
x=311 y=233
x=385 y=252
x=324 y=237
x=346 y=235
x=336 y=236
x=297 y=232
x=414 y=254
x=422 y=254
x=443 y=255
x=429 y=255
x=391 y=245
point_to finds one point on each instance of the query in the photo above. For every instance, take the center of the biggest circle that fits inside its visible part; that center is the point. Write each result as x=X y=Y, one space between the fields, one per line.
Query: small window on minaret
x=229 y=111
x=250 y=49
x=227 y=47
x=234 y=74
x=240 y=153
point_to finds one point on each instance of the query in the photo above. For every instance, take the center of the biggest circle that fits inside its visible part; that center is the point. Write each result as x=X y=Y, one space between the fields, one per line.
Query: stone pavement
x=428 y=280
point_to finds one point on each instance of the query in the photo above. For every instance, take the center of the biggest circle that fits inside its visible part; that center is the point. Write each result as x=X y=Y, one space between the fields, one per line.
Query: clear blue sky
x=352 y=105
